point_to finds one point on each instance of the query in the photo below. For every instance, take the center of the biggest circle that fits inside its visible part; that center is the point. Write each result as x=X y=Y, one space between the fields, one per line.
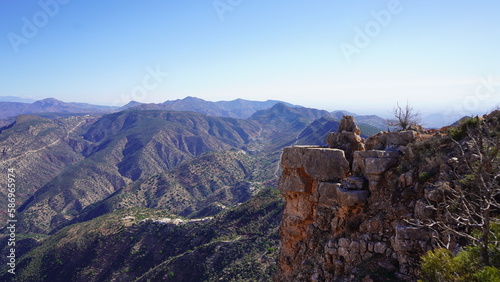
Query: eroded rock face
x=391 y=140
x=322 y=164
x=337 y=221
x=331 y=194
x=315 y=197
x=373 y=164
x=347 y=124
x=349 y=198
x=347 y=138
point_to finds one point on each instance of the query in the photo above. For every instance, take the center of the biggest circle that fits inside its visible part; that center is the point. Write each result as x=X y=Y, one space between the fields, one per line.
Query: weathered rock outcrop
x=347 y=138
x=391 y=140
x=342 y=224
x=373 y=164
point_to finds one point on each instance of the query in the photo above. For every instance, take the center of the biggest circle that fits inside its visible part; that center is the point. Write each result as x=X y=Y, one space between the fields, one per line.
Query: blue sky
x=440 y=56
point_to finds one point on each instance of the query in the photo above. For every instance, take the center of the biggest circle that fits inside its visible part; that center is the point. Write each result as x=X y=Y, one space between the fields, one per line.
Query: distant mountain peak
x=280 y=107
x=49 y=101
x=133 y=103
x=129 y=105
x=50 y=105
x=339 y=113
x=191 y=98
x=281 y=111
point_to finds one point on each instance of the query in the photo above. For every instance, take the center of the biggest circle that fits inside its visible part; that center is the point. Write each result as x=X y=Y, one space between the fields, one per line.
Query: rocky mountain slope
x=79 y=161
x=352 y=209
x=39 y=150
x=81 y=173
x=124 y=147
x=283 y=124
x=152 y=245
x=198 y=188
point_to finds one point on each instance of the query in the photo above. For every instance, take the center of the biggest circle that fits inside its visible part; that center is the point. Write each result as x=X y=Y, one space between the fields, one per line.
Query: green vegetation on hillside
x=141 y=244
x=140 y=194
x=441 y=265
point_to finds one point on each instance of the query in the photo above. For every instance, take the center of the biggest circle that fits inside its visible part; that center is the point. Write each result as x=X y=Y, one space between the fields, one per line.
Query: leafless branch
x=405 y=117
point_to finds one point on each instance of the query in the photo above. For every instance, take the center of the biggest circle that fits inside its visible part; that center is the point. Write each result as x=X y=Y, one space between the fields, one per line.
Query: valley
x=104 y=179
x=225 y=140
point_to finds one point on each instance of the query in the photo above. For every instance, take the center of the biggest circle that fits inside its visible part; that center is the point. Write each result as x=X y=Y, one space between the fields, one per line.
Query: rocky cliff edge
x=343 y=219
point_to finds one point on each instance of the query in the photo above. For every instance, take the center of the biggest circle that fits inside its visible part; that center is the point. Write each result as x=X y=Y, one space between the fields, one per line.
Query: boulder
x=331 y=194
x=293 y=157
x=347 y=124
x=355 y=183
x=323 y=164
x=406 y=179
x=411 y=233
x=347 y=138
x=354 y=246
x=349 y=142
x=401 y=138
x=344 y=242
x=387 y=140
x=327 y=192
x=344 y=252
x=373 y=162
x=376 y=142
x=348 y=198
x=380 y=247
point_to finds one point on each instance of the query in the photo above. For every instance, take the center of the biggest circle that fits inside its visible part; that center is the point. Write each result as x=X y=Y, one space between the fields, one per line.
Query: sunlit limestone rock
x=340 y=214
x=347 y=138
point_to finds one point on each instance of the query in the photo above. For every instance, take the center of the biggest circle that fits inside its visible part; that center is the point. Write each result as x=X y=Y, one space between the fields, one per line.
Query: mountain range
x=72 y=162
x=83 y=171
x=11 y=106
x=49 y=105
x=239 y=108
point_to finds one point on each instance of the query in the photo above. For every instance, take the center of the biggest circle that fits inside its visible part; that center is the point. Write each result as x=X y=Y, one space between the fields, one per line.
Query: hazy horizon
x=358 y=57
x=431 y=119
